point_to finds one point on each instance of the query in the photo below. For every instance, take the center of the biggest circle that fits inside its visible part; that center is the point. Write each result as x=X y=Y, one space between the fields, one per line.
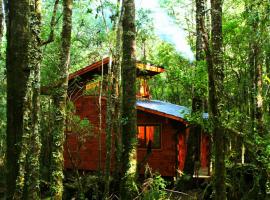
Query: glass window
x=149 y=136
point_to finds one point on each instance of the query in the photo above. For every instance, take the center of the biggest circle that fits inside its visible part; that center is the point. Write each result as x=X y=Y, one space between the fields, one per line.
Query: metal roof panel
x=167 y=108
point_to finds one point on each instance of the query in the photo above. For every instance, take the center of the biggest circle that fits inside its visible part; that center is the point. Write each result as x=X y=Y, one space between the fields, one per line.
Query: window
x=149 y=136
x=142 y=87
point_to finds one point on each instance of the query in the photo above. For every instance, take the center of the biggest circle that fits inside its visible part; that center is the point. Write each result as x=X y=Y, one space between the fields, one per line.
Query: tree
x=23 y=60
x=193 y=150
x=255 y=67
x=129 y=116
x=1 y=21
x=59 y=101
x=216 y=76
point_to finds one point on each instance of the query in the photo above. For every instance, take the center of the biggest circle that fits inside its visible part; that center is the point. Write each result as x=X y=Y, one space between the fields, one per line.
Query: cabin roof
x=95 y=68
x=166 y=109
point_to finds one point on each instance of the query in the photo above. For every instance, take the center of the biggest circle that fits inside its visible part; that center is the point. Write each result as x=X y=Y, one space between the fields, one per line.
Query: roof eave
x=162 y=114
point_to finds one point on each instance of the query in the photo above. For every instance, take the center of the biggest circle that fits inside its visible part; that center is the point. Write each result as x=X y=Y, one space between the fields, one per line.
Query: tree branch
x=54 y=21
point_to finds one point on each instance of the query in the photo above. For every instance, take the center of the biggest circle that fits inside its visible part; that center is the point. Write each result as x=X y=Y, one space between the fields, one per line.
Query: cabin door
x=181 y=146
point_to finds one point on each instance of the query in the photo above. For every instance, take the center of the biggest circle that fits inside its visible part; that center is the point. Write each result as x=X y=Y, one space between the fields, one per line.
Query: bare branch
x=54 y=21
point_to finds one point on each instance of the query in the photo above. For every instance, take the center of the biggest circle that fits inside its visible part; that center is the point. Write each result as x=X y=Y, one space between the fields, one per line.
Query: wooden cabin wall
x=166 y=160
x=204 y=152
x=182 y=148
x=87 y=107
x=162 y=160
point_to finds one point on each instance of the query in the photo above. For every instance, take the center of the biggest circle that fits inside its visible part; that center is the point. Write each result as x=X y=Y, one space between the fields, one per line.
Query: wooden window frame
x=160 y=138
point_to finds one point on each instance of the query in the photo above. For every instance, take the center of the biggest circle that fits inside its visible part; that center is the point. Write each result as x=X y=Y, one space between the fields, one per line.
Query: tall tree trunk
x=109 y=128
x=251 y=90
x=193 y=150
x=215 y=100
x=255 y=66
x=18 y=71
x=27 y=185
x=59 y=101
x=35 y=145
x=1 y=21
x=259 y=96
x=23 y=60
x=117 y=96
x=267 y=64
x=129 y=115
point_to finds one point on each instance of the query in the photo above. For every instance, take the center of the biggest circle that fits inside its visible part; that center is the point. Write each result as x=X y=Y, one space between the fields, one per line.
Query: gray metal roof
x=167 y=108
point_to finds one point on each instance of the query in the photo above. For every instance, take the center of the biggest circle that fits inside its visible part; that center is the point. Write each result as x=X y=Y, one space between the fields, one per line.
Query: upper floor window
x=142 y=88
x=93 y=87
x=149 y=136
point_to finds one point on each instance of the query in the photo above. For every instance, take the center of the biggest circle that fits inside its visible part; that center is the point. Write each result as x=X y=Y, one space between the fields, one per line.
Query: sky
x=166 y=29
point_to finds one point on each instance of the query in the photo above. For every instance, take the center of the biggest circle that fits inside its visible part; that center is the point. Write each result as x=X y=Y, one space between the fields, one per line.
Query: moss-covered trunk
x=59 y=103
x=17 y=76
x=33 y=175
x=215 y=100
x=1 y=21
x=116 y=102
x=23 y=61
x=129 y=115
x=255 y=68
x=109 y=128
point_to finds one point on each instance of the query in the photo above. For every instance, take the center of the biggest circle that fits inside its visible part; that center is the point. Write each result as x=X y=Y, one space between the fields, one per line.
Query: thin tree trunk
x=215 y=100
x=267 y=64
x=129 y=115
x=251 y=89
x=109 y=128
x=59 y=101
x=259 y=97
x=255 y=66
x=117 y=96
x=100 y=120
x=1 y=21
x=193 y=150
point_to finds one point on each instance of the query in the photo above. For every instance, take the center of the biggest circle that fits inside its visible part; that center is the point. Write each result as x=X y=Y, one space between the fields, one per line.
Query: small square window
x=149 y=135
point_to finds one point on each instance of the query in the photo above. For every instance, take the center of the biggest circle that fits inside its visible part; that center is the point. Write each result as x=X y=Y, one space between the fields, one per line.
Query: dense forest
x=71 y=129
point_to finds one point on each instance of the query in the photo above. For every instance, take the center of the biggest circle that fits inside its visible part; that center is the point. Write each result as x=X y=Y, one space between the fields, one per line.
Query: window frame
x=160 y=137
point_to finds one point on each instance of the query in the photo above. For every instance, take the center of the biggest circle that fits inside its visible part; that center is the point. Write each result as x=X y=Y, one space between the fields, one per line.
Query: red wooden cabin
x=161 y=123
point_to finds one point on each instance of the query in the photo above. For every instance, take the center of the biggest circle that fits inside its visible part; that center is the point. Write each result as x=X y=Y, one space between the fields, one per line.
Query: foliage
x=180 y=74
x=184 y=182
x=92 y=38
x=91 y=184
x=246 y=182
x=153 y=187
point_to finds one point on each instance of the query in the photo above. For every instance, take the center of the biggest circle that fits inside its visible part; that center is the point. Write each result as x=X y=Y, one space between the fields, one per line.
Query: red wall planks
x=163 y=160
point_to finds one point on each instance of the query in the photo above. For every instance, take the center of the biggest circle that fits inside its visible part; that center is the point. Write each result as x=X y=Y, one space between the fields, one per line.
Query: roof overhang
x=162 y=114
x=95 y=68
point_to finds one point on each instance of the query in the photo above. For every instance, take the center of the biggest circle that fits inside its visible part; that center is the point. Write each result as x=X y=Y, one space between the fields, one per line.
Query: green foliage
x=92 y=39
x=153 y=188
x=179 y=75
x=88 y=186
x=246 y=182
x=183 y=183
x=81 y=127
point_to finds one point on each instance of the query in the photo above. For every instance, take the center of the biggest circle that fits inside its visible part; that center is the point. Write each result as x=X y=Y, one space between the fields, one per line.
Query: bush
x=153 y=188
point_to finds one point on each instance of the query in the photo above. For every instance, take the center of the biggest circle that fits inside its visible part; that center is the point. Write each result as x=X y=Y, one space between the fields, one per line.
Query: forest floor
x=189 y=195
x=2 y=181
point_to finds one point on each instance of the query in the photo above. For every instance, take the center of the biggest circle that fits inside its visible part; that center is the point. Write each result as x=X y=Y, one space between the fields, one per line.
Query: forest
x=135 y=99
